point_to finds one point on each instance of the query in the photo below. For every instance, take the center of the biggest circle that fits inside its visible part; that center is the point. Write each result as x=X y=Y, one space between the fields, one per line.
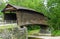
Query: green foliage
x=33 y=32
x=56 y=33
x=1 y=7
x=33 y=27
x=54 y=14
x=34 y=4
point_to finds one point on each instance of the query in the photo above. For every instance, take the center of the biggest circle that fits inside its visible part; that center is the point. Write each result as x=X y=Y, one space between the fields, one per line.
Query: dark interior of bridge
x=10 y=16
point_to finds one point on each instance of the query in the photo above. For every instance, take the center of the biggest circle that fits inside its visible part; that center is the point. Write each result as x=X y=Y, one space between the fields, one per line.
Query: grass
x=2 y=28
x=36 y=32
x=56 y=33
x=7 y=26
x=0 y=38
x=32 y=32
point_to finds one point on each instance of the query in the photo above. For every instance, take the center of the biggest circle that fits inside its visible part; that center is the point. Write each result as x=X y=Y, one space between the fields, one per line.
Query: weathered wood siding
x=25 y=17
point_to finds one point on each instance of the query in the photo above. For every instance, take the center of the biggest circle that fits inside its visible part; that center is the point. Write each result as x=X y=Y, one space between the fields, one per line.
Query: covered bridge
x=24 y=16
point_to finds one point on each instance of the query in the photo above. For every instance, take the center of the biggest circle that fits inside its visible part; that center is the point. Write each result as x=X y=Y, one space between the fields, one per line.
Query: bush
x=56 y=33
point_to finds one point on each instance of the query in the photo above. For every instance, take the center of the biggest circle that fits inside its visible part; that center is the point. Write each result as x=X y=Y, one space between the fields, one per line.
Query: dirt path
x=46 y=37
x=7 y=24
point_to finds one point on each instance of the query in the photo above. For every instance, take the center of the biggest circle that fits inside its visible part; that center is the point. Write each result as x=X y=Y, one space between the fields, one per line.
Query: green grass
x=56 y=33
x=0 y=38
x=32 y=32
x=8 y=26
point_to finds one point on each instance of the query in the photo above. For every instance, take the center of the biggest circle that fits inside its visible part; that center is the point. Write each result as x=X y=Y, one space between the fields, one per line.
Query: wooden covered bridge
x=24 y=16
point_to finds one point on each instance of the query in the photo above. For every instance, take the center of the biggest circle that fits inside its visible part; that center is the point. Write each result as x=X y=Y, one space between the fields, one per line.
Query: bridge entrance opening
x=10 y=17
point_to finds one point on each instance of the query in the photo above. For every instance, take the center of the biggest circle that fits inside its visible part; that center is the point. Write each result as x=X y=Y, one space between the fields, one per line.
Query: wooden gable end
x=9 y=8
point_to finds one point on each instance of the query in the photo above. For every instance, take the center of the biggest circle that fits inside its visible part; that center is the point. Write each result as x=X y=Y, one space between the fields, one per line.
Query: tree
x=53 y=9
x=34 y=4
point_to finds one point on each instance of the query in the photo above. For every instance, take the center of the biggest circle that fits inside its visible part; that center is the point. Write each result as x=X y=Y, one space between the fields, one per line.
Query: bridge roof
x=14 y=8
